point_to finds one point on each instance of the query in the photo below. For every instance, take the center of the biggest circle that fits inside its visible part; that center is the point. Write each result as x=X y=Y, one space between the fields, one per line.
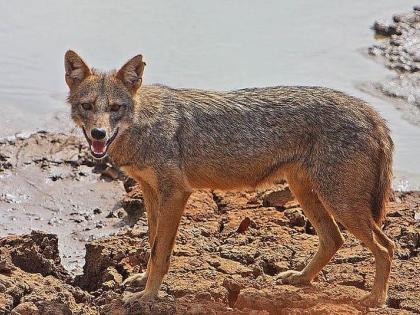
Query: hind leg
x=384 y=240
x=330 y=238
x=361 y=224
x=383 y=258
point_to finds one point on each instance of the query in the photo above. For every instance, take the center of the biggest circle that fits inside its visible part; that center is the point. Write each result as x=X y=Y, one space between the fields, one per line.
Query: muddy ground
x=398 y=47
x=229 y=250
x=50 y=183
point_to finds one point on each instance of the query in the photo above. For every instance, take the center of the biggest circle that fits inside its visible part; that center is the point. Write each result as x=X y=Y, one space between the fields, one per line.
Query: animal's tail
x=383 y=189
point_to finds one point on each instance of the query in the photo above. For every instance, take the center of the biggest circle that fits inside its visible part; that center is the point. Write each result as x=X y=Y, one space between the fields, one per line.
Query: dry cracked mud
x=229 y=250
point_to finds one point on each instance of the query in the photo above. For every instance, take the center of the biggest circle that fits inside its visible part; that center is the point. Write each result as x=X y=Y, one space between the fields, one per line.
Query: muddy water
x=211 y=44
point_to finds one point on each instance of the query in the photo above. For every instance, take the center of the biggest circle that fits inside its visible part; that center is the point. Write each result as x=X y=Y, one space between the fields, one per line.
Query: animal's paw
x=138 y=297
x=292 y=277
x=138 y=302
x=373 y=300
x=137 y=280
x=146 y=303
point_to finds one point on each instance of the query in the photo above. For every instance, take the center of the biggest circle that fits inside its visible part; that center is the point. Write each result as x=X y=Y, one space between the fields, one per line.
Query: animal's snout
x=98 y=133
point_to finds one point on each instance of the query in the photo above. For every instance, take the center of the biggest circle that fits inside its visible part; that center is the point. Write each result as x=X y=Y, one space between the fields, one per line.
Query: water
x=202 y=44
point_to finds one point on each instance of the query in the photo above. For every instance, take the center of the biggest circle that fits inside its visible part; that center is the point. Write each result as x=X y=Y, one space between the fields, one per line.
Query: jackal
x=333 y=149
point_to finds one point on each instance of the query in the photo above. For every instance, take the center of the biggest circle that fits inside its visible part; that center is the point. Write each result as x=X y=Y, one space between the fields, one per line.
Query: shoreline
x=397 y=48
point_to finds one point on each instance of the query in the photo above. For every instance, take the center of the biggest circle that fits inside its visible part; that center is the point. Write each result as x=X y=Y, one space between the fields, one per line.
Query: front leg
x=151 y=203
x=171 y=207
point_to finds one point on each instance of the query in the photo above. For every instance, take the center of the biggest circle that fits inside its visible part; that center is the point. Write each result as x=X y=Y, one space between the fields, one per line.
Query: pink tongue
x=98 y=146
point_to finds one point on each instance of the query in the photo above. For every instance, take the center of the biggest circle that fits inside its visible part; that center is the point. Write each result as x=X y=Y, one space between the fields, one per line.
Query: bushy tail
x=383 y=189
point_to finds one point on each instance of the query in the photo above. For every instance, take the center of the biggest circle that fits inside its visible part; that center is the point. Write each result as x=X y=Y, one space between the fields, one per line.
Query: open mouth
x=99 y=148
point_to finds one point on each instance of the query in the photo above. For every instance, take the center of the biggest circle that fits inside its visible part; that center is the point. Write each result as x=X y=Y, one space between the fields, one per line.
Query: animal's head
x=102 y=103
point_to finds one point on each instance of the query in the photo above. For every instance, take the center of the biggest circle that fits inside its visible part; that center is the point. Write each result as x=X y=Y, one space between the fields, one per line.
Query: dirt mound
x=36 y=253
x=33 y=281
x=111 y=259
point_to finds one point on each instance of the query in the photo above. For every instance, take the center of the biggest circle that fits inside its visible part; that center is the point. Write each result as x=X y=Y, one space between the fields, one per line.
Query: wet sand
x=48 y=184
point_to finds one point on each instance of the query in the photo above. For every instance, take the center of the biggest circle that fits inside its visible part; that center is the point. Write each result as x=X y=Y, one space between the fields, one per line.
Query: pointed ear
x=76 y=69
x=131 y=73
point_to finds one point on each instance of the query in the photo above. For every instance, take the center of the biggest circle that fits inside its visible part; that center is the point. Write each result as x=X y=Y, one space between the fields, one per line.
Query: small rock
x=26 y=308
x=277 y=198
x=133 y=202
x=234 y=283
x=221 y=226
x=384 y=29
x=295 y=217
x=111 y=173
x=111 y=274
x=6 y=264
x=409 y=237
x=205 y=232
x=53 y=221
x=129 y=184
x=394 y=214
x=111 y=214
x=272 y=268
x=121 y=213
x=257 y=271
x=244 y=225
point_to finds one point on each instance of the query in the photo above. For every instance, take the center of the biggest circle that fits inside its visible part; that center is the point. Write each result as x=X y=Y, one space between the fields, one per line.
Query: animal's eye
x=87 y=106
x=115 y=107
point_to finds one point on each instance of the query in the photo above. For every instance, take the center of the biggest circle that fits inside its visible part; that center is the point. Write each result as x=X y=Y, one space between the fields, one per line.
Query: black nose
x=98 y=133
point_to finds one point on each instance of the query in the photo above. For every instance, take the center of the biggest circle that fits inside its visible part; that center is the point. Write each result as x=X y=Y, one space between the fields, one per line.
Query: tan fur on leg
x=330 y=238
x=366 y=230
x=151 y=205
x=170 y=212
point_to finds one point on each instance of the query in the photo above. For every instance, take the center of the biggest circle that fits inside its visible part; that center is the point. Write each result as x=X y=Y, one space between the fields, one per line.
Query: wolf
x=333 y=149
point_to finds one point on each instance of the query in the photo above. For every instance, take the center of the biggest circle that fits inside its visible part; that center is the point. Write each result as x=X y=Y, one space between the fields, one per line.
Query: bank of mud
x=398 y=48
x=49 y=182
x=229 y=250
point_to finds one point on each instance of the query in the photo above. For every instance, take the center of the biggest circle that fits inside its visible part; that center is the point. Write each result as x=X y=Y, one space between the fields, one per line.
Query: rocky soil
x=229 y=250
x=398 y=46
